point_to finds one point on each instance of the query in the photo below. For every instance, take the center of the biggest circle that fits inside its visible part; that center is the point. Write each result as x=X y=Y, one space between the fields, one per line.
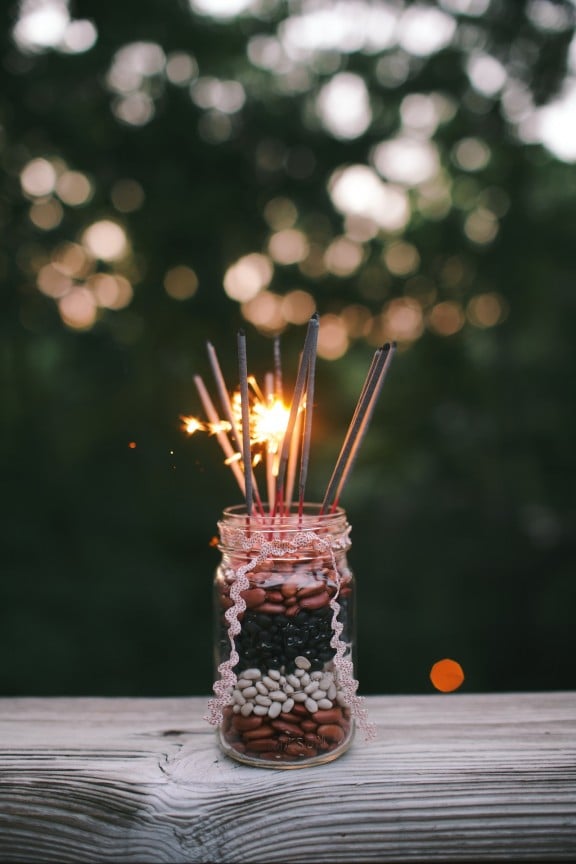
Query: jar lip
x=311 y=511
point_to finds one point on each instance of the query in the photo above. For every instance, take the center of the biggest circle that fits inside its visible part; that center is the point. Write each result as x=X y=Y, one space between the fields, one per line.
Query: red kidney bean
x=260 y=732
x=292 y=610
x=287 y=728
x=270 y=608
x=328 y=715
x=262 y=745
x=298 y=748
x=311 y=590
x=274 y=597
x=244 y=724
x=332 y=733
x=253 y=597
x=315 y=602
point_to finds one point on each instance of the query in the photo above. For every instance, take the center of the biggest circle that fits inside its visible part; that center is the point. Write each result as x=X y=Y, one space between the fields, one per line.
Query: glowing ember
x=192 y=425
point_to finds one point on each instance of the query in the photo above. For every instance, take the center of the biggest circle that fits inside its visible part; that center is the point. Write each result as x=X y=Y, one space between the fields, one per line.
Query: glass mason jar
x=284 y=600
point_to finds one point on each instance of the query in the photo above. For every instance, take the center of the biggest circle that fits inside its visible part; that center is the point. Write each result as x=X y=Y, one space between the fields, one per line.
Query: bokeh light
x=288 y=246
x=127 y=195
x=111 y=291
x=78 y=309
x=38 y=178
x=357 y=190
x=343 y=256
x=46 y=215
x=486 y=310
x=401 y=320
x=406 y=160
x=447 y=675
x=245 y=278
x=74 y=188
x=181 y=282
x=401 y=258
x=446 y=318
x=343 y=106
x=264 y=311
x=298 y=306
x=105 y=240
x=333 y=339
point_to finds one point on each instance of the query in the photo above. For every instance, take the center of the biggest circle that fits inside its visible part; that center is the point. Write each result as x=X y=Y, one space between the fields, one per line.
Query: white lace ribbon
x=278 y=548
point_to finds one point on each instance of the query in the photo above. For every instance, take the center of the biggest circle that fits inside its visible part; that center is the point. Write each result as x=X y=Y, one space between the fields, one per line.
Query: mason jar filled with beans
x=284 y=598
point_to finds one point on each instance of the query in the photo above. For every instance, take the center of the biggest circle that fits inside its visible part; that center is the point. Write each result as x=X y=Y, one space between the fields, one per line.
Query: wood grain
x=450 y=778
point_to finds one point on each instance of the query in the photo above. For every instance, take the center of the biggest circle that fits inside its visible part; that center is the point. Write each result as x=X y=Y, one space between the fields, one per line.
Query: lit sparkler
x=279 y=434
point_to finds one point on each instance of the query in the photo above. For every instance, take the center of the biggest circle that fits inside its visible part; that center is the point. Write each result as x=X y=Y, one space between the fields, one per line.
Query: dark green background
x=462 y=500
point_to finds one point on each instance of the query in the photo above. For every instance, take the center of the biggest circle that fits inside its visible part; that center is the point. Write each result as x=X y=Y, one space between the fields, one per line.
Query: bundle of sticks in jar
x=255 y=426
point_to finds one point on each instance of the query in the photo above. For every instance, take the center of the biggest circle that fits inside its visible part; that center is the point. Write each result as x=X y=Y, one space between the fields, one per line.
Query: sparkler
x=259 y=426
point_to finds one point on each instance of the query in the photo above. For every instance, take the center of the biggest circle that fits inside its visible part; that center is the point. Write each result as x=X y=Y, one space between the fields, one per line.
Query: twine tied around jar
x=276 y=548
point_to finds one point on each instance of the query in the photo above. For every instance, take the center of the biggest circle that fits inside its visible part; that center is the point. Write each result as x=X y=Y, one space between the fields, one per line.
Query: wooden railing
x=450 y=778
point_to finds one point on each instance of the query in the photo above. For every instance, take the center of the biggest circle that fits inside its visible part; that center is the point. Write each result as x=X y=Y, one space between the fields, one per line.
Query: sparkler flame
x=268 y=421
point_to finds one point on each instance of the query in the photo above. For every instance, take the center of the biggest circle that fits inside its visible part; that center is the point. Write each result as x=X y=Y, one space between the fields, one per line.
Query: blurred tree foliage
x=462 y=501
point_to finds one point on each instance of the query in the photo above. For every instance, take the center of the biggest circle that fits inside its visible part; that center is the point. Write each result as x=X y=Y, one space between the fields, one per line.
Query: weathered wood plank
x=450 y=778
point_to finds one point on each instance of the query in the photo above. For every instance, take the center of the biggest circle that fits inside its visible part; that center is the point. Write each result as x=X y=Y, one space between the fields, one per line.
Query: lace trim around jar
x=270 y=545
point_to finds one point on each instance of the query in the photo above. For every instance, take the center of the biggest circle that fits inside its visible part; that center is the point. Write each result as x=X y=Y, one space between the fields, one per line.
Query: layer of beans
x=286 y=706
x=292 y=737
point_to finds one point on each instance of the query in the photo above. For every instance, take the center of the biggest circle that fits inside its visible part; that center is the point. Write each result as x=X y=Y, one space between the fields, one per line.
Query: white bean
x=247 y=709
x=274 y=709
x=250 y=692
x=263 y=700
x=260 y=710
x=311 y=706
x=302 y=663
x=252 y=674
x=299 y=696
x=287 y=705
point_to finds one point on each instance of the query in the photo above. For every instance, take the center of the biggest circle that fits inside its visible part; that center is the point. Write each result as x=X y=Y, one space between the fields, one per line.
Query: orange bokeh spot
x=132 y=445
x=214 y=541
x=446 y=675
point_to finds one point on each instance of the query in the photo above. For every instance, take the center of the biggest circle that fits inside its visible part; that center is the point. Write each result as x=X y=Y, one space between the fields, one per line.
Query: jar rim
x=311 y=511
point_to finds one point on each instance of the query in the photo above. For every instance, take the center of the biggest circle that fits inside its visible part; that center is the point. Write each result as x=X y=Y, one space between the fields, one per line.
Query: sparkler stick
x=359 y=425
x=229 y=414
x=246 y=455
x=270 y=480
x=223 y=392
x=309 y=408
x=277 y=368
x=311 y=336
x=293 y=461
x=221 y=437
